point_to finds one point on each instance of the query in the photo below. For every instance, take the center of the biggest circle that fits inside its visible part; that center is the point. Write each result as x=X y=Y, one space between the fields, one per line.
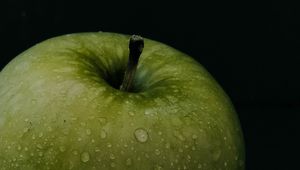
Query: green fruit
x=60 y=108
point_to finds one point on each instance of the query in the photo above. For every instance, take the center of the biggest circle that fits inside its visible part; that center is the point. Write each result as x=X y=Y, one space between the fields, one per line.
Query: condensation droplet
x=39 y=146
x=179 y=136
x=62 y=148
x=180 y=150
x=113 y=164
x=193 y=148
x=158 y=167
x=25 y=130
x=141 y=135
x=88 y=132
x=112 y=156
x=74 y=118
x=75 y=152
x=216 y=154
x=128 y=162
x=225 y=163
x=168 y=145
x=236 y=158
x=130 y=113
x=85 y=157
x=97 y=149
x=157 y=151
x=50 y=129
x=103 y=134
x=199 y=166
x=102 y=120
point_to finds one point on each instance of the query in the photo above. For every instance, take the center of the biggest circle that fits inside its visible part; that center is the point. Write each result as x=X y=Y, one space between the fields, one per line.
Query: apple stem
x=136 y=45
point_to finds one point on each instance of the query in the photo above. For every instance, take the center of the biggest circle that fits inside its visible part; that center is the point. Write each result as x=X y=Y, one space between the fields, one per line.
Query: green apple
x=61 y=107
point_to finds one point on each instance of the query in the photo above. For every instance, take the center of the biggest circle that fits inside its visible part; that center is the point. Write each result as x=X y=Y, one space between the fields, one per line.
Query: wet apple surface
x=61 y=108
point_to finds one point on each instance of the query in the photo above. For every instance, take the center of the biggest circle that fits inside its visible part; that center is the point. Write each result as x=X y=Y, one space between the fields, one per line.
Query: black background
x=252 y=49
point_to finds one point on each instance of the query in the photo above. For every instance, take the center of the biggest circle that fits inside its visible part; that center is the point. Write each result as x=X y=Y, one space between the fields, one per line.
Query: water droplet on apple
x=199 y=166
x=75 y=152
x=102 y=120
x=25 y=130
x=241 y=163
x=88 y=132
x=157 y=151
x=236 y=158
x=158 y=167
x=103 y=134
x=178 y=135
x=141 y=135
x=112 y=156
x=194 y=137
x=97 y=149
x=74 y=118
x=147 y=112
x=113 y=164
x=85 y=157
x=225 y=163
x=62 y=148
x=180 y=150
x=50 y=129
x=39 y=146
x=216 y=154
x=168 y=145
x=128 y=162
x=172 y=99
x=130 y=113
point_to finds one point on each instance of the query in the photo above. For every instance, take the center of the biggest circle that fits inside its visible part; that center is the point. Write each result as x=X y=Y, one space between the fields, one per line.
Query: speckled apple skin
x=58 y=111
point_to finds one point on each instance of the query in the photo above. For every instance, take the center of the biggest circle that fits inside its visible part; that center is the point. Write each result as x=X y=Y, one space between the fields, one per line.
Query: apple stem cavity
x=136 y=45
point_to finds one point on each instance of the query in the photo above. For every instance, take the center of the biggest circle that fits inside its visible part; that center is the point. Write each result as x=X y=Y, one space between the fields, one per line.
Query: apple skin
x=59 y=109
